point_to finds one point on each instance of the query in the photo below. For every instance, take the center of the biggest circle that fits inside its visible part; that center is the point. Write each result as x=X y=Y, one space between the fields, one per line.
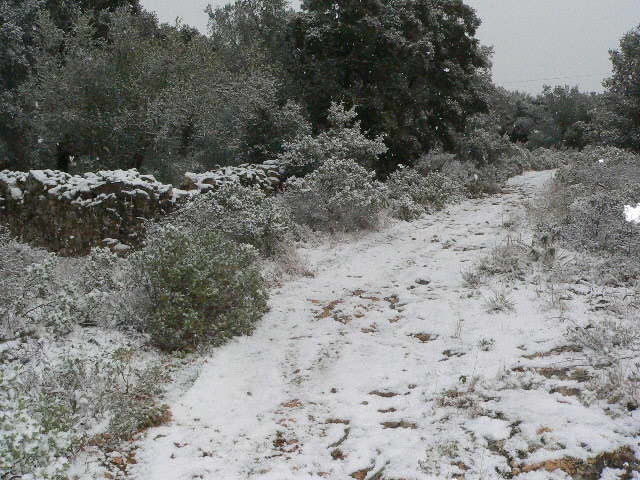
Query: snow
x=266 y=174
x=632 y=214
x=489 y=428
x=363 y=362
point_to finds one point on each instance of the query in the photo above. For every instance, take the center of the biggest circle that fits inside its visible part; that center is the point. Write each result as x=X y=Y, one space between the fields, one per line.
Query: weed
x=499 y=302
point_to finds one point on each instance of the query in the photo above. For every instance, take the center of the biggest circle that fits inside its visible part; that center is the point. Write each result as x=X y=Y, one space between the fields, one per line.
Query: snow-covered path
x=384 y=366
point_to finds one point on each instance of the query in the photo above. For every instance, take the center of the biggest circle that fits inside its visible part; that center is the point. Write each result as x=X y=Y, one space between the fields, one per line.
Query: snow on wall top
x=266 y=175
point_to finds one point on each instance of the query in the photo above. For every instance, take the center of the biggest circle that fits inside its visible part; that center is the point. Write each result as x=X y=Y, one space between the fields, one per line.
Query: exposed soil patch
x=400 y=424
x=555 y=351
x=424 y=337
x=328 y=309
x=383 y=394
x=590 y=469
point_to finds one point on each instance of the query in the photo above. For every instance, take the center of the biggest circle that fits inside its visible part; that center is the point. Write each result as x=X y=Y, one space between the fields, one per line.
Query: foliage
x=412 y=194
x=27 y=446
x=558 y=117
x=249 y=32
x=147 y=96
x=413 y=70
x=269 y=129
x=343 y=140
x=244 y=214
x=482 y=143
x=584 y=209
x=624 y=90
x=44 y=290
x=20 y=49
x=340 y=195
x=50 y=408
x=202 y=289
x=567 y=112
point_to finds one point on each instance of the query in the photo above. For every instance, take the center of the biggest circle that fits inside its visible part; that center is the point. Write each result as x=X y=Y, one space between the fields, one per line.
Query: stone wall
x=268 y=176
x=70 y=214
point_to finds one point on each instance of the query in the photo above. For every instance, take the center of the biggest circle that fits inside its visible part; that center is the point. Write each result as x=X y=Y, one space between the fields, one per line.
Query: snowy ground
x=384 y=366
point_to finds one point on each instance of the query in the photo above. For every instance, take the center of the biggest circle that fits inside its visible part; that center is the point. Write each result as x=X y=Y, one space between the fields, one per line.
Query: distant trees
x=624 y=91
x=412 y=68
x=88 y=84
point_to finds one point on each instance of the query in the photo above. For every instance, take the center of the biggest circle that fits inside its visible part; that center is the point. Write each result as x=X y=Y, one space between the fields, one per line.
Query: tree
x=624 y=90
x=160 y=98
x=249 y=31
x=17 y=53
x=413 y=68
x=19 y=49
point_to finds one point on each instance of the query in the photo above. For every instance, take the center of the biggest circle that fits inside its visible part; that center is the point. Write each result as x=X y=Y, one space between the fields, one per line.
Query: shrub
x=28 y=446
x=136 y=407
x=433 y=162
x=499 y=302
x=343 y=140
x=412 y=194
x=482 y=143
x=547 y=159
x=584 y=210
x=202 y=289
x=244 y=214
x=340 y=195
x=51 y=408
x=509 y=260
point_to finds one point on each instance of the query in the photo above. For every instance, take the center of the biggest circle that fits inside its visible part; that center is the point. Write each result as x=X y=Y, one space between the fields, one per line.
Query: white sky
x=535 y=41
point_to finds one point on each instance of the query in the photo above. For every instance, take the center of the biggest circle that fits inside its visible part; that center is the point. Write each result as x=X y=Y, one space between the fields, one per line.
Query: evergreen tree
x=413 y=68
x=624 y=90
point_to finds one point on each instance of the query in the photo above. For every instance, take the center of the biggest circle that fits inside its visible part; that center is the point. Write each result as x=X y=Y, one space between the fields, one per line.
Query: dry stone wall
x=70 y=214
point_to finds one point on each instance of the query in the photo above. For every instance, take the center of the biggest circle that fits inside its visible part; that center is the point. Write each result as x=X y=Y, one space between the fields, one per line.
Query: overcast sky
x=535 y=41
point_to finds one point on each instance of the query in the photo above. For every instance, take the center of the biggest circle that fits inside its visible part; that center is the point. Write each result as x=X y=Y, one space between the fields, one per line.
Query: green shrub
x=29 y=446
x=202 y=289
x=244 y=214
x=412 y=194
x=136 y=407
x=340 y=195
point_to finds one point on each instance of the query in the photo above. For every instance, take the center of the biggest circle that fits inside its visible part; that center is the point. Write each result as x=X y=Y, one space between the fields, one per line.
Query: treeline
x=100 y=84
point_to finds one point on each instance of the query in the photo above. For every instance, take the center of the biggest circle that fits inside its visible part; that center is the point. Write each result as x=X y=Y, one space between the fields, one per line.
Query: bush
x=584 y=209
x=482 y=144
x=339 y=196
x=433 y=162
x=244 y=214
x=596 y=223
x=51 y=408
x=202 y=289
x=412 y=194
x=343 y=140
x=547 y=159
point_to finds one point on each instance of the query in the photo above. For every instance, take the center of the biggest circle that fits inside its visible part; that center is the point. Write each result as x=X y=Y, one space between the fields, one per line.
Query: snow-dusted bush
x=412 y=194
x=433 y=162
x=601 y=168
x=343 y=140
x=50 y=408
x=29 y=447
x=340 y=195
x=596 y=222
x=244 y=214
x=55 y=293
x=584 y=209
x=547 y=158
x=202 y=289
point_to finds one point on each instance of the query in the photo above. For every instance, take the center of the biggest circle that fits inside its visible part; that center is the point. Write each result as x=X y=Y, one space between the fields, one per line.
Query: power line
x=556 y=78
